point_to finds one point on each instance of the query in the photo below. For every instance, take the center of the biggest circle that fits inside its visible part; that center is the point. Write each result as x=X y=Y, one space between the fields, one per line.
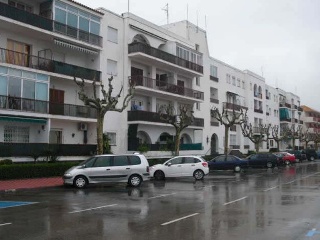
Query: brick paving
x=8 y=185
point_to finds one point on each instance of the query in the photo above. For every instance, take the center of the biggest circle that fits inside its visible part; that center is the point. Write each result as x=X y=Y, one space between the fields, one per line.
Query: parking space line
x=163 y=195
x=268 y=189
x=235 y=200
x=4 y=224
x=176 y=220
x=89 y=209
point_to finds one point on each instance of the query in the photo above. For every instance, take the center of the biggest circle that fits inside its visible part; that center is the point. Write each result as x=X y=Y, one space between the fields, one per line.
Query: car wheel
x=134 y=180
x=287 y=162
x=80 y=182
x=312 y=158
x=159 y=175
x=269 y=165
x=198 y=174
x=237 y=169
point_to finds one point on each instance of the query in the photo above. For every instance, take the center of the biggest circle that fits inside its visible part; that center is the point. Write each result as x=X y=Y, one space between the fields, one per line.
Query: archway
x=185 y=139
x=141 y=39
x=143 y=137
x=214 y=144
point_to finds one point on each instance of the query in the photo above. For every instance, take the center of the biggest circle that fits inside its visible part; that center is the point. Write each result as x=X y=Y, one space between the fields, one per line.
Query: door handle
x=192 y=165
x=108 y=169
x=127 y=168
x=179 y=166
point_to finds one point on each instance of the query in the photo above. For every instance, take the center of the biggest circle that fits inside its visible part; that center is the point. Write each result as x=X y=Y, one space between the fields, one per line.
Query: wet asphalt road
x=257 y=204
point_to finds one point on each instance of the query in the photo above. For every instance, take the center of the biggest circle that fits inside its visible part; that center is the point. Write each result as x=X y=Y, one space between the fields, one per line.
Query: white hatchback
x=181 y=166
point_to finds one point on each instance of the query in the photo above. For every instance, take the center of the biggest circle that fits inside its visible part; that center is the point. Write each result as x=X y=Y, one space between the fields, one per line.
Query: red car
x=286 y=158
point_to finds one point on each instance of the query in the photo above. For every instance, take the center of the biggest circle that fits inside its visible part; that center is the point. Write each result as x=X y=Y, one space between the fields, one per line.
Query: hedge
x=38 y=170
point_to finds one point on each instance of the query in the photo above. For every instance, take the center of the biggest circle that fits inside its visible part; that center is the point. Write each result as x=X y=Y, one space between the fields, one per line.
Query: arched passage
x=185 y=139
x=143 y=137
x=141 y=39
x=214 y=144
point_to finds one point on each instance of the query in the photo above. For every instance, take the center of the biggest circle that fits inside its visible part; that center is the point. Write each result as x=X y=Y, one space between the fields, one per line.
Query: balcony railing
x=157 y=53
x=213 y=78
x=134 y=146
x=48 y=24
x=232 y=106
x=234 y=146
x=285 y=119
x=258 y=110
x=155 y=117
x=213 y=100
x=167 y=87
x=45 y=107
x=30 y=61
x=214 y=124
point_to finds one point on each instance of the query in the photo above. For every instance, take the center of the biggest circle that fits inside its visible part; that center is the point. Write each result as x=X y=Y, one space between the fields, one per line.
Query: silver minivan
x=109 y=168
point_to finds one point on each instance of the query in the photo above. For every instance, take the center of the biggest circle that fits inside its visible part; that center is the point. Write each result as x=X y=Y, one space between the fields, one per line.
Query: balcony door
x=137 y=76
x=56 y=102
x=18 y=53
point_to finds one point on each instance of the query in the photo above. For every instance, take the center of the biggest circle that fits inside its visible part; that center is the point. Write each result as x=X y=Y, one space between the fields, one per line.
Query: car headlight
x=68 y=175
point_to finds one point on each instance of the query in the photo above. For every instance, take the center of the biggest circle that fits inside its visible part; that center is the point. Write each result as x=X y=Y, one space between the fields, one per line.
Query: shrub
x=143 y=148
x=5 y=161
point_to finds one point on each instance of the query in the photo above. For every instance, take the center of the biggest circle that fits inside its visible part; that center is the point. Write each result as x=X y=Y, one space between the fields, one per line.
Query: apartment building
x=311 y=119
x=43 y=46
x=46 y=44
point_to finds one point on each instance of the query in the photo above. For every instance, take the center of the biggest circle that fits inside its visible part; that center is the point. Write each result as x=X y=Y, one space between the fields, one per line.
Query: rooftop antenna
x=166 y=9
x=197 y=21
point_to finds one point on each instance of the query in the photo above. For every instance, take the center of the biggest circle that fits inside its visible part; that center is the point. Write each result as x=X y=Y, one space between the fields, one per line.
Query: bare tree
x=178 y=119
x=107 y=102
x=228 y=119
x=292 y=133
x=305 y=136
x=257 y=135
x=275 y=135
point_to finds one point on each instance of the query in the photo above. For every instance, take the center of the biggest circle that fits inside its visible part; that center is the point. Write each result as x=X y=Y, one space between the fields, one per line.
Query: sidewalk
x=11 y=185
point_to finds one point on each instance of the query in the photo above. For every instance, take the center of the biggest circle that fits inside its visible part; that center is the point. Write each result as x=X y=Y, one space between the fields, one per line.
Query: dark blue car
x=228 y=162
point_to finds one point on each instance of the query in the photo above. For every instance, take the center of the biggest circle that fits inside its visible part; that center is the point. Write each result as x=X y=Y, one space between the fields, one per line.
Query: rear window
x=134 y=160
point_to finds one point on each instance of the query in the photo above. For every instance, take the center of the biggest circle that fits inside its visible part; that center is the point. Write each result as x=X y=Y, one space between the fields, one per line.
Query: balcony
x=234 y=146
x=296 y=120
x=300 y=122
x=155 y=117
x=166 y=87
x=214 y=124
x=45 y=107
x=231 y=106
x=138 y=47
x=213 y=100
x=35 y=62
x=213 y=78
x=285 y=120
x=258 y=110
x=48 y=24
x=300 y=109
x=267 y=113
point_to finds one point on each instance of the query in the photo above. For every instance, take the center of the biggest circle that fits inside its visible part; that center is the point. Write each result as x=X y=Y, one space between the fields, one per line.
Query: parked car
x=228 y=162
x=311 y=154
x=318 y=152
x=300 y=156
x=268 y=160
x=129 y=168
x=286 y=158
x=181 y=166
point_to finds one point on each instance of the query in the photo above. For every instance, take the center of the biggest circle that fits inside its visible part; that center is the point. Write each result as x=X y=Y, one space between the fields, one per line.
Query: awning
x=23 y=119
x=72 y=46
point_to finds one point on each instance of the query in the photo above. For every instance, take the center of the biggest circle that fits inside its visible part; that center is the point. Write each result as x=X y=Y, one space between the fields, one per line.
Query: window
x=220 y=159
x=16 y=134
x=271 y=143
x=105 y=161
x=251 y=86
x=198 y=106
x=189 y=160
x=228 y=78
x=112 y=35
x=134 y=160
x=188 y=55
x=112 y=138
x=175 y=161
x=243 y=85
x=21 y=6
x=197 y=81
x=120 y=161
x=233 y=80
x=238 y=82
x=213 y=71
x=112 y=67
x=233 y=139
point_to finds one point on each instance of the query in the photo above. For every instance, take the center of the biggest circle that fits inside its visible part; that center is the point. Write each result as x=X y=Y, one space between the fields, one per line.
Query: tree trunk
x=226 y=139
x=293 y=143
x=100 y=134
x=177 y=143
x=256 y=146
x=278 y=145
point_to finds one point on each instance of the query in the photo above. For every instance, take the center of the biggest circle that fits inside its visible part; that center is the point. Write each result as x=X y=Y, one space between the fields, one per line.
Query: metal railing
x=231 y=106
x=213 y=78
x=166 y=87
x=48 y=24
x=155 y=117
x=154 y=52
x=214 y=124
x=213 y=100
x=30 y=61
x=45 y=107
x=258 y=110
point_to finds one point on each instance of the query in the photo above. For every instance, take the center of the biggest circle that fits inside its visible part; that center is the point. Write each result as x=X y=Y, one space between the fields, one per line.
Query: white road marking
x=163 y=195
x=210 y=186
x=268 y=189
x=235 y=201
x=290 y=182
x=4 y=224
x=89 y=209
x=176 y=220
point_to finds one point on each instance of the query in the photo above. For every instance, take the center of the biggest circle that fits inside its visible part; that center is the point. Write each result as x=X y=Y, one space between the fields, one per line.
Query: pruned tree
x=275 y=135
x=179 y=119
x=257 y=134
x=315 y=138
x=292 y=133
x=305 y=136
x=228 y=119
x=107 y=102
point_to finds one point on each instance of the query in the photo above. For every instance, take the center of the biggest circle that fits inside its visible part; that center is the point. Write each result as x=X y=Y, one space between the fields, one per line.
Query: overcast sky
x=277 y=38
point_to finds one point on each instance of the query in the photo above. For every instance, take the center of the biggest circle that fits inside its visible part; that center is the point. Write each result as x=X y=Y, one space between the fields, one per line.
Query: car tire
x=80 y=182
x=134 y=180
x=159 y=175
x=287 y=162
x=198 y=174
x=237 y=169
x=312 y=158
x=269 y=164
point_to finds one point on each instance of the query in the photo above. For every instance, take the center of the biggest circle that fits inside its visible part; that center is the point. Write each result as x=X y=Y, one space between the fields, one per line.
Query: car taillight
x=148 y=169
x=205 y=164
